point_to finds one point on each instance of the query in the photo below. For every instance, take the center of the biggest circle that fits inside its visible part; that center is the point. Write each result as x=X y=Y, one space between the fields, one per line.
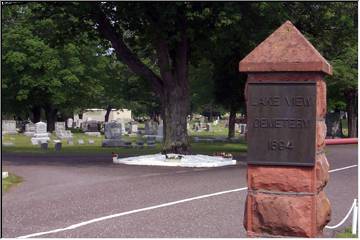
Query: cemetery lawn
x=10 y=181
x=22 y=144
x=346 y=234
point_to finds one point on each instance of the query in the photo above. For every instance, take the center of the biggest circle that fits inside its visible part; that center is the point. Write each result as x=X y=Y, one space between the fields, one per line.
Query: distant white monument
x=99 y=115
x=40 y=135
x=29 y=129
x=61 y=131
x=160 y=131
x=9 y=127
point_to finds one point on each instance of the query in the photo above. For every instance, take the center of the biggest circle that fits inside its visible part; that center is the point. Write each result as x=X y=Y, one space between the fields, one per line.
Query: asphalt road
x=58 y=192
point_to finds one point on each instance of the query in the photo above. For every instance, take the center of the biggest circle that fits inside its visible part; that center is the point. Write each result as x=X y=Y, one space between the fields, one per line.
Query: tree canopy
x=166 y=57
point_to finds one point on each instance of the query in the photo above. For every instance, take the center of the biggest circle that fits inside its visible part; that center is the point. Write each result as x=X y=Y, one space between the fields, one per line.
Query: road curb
x=337 y=141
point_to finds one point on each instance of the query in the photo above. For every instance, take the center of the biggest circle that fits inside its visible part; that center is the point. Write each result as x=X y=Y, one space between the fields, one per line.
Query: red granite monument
x=287 y=167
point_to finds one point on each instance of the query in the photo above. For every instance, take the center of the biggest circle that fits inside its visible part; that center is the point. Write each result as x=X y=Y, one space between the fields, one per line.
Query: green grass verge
x=23 y=145
x=346 y=234
x=345 y=129
x=10 y=181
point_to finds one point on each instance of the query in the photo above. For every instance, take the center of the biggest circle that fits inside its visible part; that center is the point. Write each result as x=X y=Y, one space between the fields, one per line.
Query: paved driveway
x=60 y=191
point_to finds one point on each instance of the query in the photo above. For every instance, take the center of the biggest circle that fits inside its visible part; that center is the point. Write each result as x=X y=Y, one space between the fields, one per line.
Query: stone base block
x=112 y=143
x=29 y=134
x=289 y=179
x=297 y=215
x=36 y=141
x=279 y=178
x=96 y=134
x=323 y=211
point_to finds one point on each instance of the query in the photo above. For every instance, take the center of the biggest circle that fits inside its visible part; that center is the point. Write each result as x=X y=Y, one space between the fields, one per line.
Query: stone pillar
x=288 y=169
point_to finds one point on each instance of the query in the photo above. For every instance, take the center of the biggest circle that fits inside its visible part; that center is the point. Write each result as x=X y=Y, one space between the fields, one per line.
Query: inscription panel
x=281 y=123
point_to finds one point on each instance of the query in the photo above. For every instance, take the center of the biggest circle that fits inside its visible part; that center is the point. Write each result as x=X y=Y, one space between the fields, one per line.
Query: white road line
x=340 y=169
x=149 y=208
x=132 y=212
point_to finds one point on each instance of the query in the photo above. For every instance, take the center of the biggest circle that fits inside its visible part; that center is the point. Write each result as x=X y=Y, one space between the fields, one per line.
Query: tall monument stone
x=287 y=167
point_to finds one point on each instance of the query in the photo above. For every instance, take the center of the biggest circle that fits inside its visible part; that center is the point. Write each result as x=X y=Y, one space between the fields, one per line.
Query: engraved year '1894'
x=281 y=123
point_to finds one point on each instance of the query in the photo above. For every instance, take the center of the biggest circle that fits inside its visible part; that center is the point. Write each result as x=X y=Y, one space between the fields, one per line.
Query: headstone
x=8 y=127
x=80 y=141
x=112 y=135
x=40 y=135
x=123 y=130
x=60 y=126
x=44 y=145
x=287 y=168
x=29 y=129
x=150 y=127
x=78 y=123
x=61 y=132
x=150 y=141
x=91 y=141
x=58 y=146
x=208 y=127
x=127 y=144
x=160 y=132
x=133 y=128
x=242 y=128
x=140 y=143
x=70 y=123
x=92 y=128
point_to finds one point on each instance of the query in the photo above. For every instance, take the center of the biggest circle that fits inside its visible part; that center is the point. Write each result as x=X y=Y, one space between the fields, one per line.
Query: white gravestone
x=29 y=129
x=61 y=132
x=133 y=128
x=40 y=136
x=59 y=126
x=70 y=123
x=148 y=128
x=9 y=127
x=242 y=128
x=160 y=132
x=78 y=123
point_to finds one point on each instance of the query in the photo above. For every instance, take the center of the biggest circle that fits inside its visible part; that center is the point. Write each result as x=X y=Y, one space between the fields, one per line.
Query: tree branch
x=123 y=52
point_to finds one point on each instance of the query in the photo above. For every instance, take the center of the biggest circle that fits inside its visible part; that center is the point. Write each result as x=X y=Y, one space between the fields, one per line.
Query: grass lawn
x=216 y=131
x=346 y=234
x=10 y=181
x=344 y=123
x=23 y=145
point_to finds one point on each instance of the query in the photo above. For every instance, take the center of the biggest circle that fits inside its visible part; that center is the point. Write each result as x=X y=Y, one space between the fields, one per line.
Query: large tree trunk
x=232 y=121
x=171 y=87
x=108 y=110
x=51 y=114
x=352 y=116
x=36 y=114
x=175 y=107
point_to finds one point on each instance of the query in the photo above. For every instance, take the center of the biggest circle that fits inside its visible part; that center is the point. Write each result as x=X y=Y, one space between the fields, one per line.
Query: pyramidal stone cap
x=285 y=50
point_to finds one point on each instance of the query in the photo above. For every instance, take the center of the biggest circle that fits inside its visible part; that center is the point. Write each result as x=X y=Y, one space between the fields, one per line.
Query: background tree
x=332 y=28
x=239 y=29
x=39 y=73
